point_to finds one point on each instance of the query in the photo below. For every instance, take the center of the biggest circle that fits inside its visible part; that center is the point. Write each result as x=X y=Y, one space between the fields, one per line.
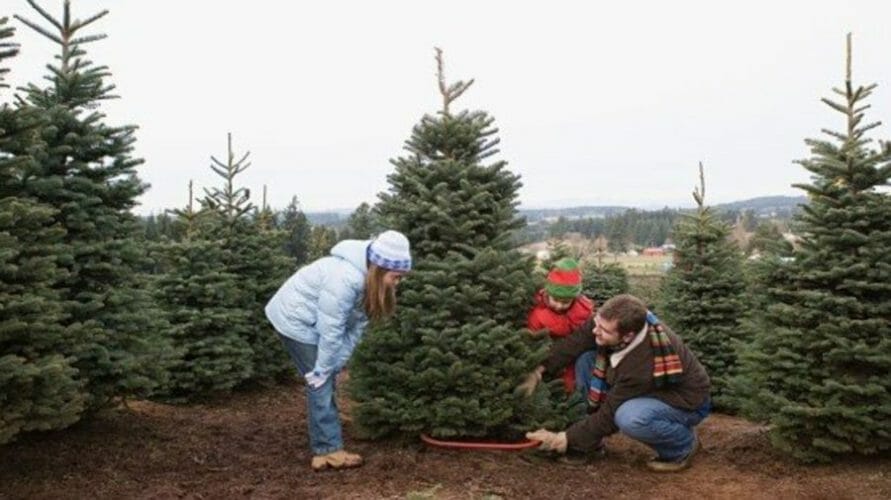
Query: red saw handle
x=469 y=445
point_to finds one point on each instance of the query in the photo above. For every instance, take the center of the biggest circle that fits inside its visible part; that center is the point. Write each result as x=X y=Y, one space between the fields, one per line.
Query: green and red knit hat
x=564 y=280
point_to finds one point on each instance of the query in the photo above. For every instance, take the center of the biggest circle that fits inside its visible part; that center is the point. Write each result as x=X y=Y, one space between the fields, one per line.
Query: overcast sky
x=597 y=102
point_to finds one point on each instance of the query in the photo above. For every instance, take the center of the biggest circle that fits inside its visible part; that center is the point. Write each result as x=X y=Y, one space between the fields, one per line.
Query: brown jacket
x=633 y=378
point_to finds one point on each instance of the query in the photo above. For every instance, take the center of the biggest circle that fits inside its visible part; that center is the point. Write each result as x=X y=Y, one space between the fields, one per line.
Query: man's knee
x=633 y=416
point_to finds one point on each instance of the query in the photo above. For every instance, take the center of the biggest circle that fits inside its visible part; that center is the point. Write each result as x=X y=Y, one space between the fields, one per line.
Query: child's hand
x=537 y=334
x=531 y=382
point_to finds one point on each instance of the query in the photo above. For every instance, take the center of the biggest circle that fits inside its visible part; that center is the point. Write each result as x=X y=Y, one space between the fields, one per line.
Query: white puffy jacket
x=321 y=304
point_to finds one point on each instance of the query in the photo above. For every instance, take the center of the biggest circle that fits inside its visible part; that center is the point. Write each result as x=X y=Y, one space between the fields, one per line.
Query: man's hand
x=551 y=441
x=530 y=382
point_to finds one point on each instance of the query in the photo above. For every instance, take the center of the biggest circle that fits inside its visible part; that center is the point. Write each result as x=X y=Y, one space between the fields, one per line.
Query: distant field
x=640 y=265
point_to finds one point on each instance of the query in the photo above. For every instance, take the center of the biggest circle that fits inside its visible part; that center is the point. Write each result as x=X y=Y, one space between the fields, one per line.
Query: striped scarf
x=667 y=367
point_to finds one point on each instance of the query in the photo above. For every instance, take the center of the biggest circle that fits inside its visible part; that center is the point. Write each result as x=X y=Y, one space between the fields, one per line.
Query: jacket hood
x=354 y=252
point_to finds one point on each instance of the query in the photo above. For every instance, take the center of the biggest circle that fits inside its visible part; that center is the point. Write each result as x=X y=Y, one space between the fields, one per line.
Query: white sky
x=597 y=102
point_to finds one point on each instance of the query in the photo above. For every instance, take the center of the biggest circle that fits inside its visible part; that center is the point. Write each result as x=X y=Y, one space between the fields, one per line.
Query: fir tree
x=265 y=217
x=86 y=173
x=297 y=229
x=362 y=224
x=448 y=362
x=603 y=280
x=557 y=250
x=768 y=239
x=205 y=306
x=321 y=240
x=703 y=293
x=820 y=364
x=39 y=389
x=253 y=254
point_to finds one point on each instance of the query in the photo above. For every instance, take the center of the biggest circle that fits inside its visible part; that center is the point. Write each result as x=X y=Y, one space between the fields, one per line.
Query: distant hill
x=593 y=212
x=331 y=219
x=766 y=206
x=763 y=206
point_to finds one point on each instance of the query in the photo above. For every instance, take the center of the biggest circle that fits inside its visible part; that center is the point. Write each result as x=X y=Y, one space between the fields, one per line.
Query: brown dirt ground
x=254 y=445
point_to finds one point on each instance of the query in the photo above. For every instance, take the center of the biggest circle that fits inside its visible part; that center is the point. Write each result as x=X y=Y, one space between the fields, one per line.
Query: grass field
x=640 y=265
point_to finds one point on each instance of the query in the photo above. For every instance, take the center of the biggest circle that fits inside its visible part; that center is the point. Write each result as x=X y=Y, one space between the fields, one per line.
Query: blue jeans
x=662 y=427
x=325 y=434
x=584 y=367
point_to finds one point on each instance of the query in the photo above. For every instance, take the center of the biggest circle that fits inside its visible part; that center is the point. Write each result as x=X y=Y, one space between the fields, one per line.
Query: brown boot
x=657 y=465
x=339 y=459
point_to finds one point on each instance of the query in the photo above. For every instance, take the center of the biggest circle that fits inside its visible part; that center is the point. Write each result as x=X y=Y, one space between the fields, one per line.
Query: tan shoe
x=657 y=465
x=339 y=459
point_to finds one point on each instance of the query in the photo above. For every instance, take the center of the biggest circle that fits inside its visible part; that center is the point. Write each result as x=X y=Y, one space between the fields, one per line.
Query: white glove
x=551 y=441
x=316 y=379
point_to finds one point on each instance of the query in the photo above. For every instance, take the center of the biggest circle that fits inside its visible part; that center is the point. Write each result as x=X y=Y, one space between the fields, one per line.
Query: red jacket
x=560 y=325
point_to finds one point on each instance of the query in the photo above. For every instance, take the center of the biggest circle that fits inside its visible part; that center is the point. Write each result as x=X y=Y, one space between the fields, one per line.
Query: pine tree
x=448 y=362
x=362 y=224
x=86 y=173
x=205 y=306
x=557 y=250
x=321 y=241
x=253 y=254
x=297 y=229
x=38 y=386
x=265 y=217
x=820 y=364
x=702 y=294
x=768 y=239
x=603 y=280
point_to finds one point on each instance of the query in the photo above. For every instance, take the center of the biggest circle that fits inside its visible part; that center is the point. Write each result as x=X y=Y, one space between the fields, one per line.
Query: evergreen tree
x=768 y=238
x=702 y=294
x=362 y=224
x=448 y=362
x=86 y=173
x=297 y=229
x=265 y=217
x=253 y=254
x=321 y=240
x=603 y=280
x=820 y=364
x=205 y=306
x=39 y=389
x=557 y=250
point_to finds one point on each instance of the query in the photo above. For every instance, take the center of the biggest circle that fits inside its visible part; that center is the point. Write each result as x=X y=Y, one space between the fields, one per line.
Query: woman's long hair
x=380 y=299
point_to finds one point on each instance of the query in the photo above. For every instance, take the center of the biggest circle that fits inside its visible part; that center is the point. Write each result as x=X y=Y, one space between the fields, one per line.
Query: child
x=321 y=312
x=559 y=309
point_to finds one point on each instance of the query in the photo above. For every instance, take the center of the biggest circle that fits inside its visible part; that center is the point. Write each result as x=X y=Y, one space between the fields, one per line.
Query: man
x=645 y=383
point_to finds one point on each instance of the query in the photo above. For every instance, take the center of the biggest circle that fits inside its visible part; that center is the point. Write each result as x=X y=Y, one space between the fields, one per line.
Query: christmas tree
x=448 y=362
x=296 y=229
x=39 y=389
x=819 y=367
x=361 y=224
x=702 y=294
x=204 y=304
x=85 y=171
x=321 y=240
x=603 y=280
x=252 y=253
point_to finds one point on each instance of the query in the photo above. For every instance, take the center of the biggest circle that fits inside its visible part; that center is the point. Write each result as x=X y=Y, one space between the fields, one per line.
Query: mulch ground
x=254 y=445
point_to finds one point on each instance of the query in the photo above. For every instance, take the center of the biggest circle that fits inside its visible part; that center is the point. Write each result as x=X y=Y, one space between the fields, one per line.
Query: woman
x=322 y=311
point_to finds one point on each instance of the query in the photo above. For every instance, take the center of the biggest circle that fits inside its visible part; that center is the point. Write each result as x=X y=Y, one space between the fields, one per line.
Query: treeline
x=631 y=228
